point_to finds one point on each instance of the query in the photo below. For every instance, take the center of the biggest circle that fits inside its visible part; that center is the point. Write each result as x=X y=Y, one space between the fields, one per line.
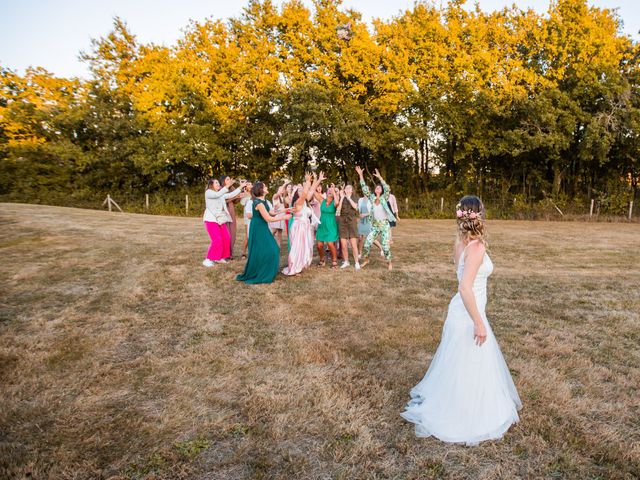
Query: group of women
x=331 y=220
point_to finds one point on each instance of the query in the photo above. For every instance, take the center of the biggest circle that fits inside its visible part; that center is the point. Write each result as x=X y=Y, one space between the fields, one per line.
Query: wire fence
x=190 y=202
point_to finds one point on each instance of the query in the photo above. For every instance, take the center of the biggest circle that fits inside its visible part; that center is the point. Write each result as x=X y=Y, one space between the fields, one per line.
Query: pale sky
x=51 y=33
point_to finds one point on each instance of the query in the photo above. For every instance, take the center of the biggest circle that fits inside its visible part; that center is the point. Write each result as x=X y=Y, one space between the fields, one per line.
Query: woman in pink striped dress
x=301 y=231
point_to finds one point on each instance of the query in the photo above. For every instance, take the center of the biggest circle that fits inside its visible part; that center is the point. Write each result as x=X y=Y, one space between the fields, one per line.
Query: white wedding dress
x=467 y=394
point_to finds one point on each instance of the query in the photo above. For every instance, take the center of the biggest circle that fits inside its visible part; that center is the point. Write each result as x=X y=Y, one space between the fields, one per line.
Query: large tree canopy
x=439 y=98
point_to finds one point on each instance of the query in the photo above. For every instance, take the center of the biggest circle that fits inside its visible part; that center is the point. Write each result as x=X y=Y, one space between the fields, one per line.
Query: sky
x=51 y=33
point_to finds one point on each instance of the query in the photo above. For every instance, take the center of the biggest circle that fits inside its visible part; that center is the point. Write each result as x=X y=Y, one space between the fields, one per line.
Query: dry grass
x=122 y=357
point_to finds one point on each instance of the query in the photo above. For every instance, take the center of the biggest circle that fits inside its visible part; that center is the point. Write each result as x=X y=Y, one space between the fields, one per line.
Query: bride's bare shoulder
x=475 y=248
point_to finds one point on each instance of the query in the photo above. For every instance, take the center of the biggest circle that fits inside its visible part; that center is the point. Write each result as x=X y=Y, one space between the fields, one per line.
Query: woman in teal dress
x=263 y=259
x=328 y=228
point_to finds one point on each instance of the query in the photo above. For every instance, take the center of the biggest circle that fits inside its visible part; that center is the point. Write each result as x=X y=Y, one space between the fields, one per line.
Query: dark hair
x=257 y=190
x=471 y=202
x=295 y=198
x=209 y=183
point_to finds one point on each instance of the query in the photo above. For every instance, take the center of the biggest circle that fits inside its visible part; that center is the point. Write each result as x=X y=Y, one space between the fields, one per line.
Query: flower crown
x=467 y=214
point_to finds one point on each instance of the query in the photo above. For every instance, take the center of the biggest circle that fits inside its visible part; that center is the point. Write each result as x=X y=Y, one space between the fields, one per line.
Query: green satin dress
x=328 y=228
x=263 y=259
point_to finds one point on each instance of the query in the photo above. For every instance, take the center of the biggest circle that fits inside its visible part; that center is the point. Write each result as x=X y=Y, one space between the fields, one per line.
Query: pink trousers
x=220 y=241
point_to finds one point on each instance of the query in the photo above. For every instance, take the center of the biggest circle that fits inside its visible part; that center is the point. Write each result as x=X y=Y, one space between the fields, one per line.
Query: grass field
x=122 y=357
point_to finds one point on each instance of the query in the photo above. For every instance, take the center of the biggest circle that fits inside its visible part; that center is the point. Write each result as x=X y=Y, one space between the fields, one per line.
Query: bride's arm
x=473 y=260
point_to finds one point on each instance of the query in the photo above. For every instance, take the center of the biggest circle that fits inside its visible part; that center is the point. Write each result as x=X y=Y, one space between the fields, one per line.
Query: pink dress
x=301 y=235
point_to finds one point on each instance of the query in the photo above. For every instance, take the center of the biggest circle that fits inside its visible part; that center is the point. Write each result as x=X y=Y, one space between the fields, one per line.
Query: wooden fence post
x=110 y=201
x=406 y=204
x=630 y=209
x=186 y=204
x=591 y=208
x=146 y=201
x=442 y=204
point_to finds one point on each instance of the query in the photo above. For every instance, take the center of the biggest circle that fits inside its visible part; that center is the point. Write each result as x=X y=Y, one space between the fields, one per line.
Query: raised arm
x=302 y=196
x=318 y=196
x=386 y=191
x=213 y=194
x=281 y=190
x=474 y=257
x=234 y=194
x=270 y=218
x=312 y=192
x=365 y=190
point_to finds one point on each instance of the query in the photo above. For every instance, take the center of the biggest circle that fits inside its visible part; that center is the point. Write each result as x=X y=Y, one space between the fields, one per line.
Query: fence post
x=406 y=204
x=630 y=209
x=442 y=204
x=146 y=201
x=591 y=208
x=109 y=201
x=186 y=204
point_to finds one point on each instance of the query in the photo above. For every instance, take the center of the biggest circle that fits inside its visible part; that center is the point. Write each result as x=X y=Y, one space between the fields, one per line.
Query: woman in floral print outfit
x=381 y=215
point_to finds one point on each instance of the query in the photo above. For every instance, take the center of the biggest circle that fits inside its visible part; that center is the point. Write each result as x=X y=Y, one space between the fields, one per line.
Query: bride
x=467 y=394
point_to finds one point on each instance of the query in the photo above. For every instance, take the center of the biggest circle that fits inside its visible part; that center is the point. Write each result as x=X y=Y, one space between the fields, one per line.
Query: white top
x=248 y=206
x=277 y=205
x=379 y=213
x=216 y=205
x=394 y=203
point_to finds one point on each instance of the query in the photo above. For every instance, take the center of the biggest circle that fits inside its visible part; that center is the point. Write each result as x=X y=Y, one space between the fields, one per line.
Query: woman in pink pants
x=216 y=217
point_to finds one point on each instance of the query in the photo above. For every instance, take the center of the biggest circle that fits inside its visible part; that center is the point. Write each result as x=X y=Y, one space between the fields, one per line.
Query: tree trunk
x=451 y=150
x=557 y=179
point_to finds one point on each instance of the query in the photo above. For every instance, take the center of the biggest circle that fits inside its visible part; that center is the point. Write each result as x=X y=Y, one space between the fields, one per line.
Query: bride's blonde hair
x=470 y=220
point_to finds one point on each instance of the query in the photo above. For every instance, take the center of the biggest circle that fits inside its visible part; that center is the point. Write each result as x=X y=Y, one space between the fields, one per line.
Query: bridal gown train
x=467 y=394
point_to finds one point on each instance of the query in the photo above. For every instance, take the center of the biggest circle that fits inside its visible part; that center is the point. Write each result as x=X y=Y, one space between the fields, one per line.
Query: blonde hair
x=470 y=215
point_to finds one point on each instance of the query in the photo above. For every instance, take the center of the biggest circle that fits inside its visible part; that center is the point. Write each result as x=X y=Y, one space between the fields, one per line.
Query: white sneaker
x=345 y=264
x=357 y=265
x=222 y=260
x=208 y=263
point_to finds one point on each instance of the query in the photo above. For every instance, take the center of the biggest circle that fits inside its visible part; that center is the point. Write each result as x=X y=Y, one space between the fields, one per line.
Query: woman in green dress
x=328 y=228
x=263 y=260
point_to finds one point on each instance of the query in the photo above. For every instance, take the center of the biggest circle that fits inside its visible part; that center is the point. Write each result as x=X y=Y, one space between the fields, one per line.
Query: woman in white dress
x=467 y=395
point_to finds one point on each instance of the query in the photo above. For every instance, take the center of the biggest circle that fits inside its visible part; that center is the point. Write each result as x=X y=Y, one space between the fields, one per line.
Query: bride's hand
x=479 y=334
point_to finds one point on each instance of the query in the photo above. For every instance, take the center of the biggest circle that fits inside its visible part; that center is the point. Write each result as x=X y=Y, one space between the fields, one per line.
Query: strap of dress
x=465 y=248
